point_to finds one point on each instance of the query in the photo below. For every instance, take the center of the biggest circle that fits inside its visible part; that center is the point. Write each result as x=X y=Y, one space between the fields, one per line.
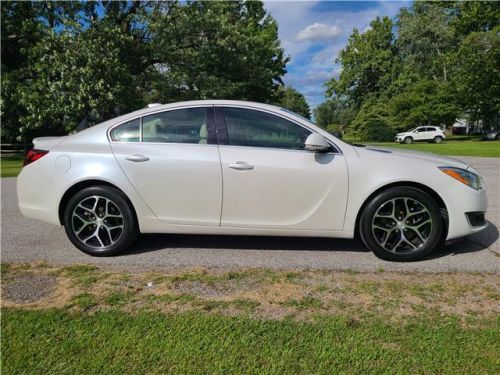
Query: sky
x=313 y=32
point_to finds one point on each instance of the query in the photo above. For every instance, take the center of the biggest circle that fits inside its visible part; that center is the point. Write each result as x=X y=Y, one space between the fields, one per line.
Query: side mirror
x=316 y=143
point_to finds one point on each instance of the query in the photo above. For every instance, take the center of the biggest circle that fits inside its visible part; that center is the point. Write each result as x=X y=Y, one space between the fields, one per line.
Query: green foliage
x=438 y=62
x=372 y=122
x=369 y=63
x=63 y=63
x=424 y=38
x=425 y=102
x=477 y=77
x=289 y=98
x=333 y=111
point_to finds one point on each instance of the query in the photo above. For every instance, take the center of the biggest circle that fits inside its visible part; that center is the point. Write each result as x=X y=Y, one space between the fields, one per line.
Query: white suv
x=422 y=133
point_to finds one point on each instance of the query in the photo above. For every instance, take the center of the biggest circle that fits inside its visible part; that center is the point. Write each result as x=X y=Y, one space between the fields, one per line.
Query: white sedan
x=241 y=168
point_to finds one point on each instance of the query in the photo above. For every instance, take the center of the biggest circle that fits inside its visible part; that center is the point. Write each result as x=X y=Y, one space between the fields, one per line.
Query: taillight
x=33 y=155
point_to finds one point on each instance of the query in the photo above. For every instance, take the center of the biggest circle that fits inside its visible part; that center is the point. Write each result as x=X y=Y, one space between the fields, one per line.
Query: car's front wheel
x=408 y=140
x=438 y=139
x=401 y=224
x=99 y=221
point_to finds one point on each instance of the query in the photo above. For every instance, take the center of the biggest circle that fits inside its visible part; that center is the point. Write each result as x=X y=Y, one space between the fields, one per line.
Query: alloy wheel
x=402 y=225
x=97 y=222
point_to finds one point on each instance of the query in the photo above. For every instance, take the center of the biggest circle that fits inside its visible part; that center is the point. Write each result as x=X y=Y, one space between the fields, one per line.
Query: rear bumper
x=38 y=194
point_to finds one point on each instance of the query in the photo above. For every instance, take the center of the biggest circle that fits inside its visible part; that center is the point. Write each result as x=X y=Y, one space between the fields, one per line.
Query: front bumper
x=466 y=208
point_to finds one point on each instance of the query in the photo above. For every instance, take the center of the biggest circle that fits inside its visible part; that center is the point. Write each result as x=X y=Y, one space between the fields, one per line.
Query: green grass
x=112 y=342
x=452 y=147
x=10 y=166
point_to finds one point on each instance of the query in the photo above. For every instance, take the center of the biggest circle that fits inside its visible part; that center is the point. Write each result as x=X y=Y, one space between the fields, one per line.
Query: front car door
x=172 y=160
x=270 y=181
x=419 y=134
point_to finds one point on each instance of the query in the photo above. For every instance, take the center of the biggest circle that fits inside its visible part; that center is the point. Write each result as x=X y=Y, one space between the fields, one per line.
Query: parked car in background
x=492 y=135
x=422 y=133
x=241 y=168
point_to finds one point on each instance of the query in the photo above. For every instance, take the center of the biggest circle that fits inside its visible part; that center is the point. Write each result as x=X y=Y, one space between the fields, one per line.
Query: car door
x=429 y=133
x=270 y=181
x=419 y=134
x=172 y=160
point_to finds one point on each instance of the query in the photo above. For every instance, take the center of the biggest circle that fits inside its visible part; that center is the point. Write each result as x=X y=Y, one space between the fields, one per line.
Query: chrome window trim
x=108 y=132
x=337 y=150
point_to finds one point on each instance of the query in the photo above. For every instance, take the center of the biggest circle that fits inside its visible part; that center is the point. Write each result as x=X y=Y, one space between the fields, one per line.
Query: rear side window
x=177 y=126
x=127 y=132
x=431 y=129
x=246 y=127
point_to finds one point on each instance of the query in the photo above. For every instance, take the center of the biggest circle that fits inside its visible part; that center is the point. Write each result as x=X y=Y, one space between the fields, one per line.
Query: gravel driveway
x=25 y=240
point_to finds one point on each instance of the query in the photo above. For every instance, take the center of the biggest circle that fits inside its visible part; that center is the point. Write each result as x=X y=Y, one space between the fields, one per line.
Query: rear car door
x=270 y=181
x=172 y=160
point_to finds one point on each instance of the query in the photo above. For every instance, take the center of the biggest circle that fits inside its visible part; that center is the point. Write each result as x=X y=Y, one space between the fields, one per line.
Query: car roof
x=104 y=126
x=160 y=107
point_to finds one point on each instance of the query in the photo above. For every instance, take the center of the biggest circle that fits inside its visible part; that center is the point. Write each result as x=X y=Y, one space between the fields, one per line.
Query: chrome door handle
x=241 y=166
x=137 y=158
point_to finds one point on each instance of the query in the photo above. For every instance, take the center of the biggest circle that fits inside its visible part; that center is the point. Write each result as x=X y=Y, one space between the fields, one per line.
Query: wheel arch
x=83 y=185
x=435 y=196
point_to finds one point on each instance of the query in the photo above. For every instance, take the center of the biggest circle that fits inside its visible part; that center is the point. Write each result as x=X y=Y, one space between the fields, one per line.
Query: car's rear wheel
x=99 y=221
x=401 y=224
x=408 y=140
x=438 y=139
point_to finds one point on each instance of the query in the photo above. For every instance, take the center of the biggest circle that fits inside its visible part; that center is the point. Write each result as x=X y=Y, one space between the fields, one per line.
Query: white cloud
x=313 y=60
x=318 y=32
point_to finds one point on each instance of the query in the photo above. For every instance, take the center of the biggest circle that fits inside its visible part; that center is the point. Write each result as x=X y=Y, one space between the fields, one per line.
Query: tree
x=214 y=50
x=369 y=63
x=425 y=102
x=477 y=75
x=75 y=76
x=373 y=123
x=289 y=98
x=96 y=60
x=333 y=112
x=425 y=39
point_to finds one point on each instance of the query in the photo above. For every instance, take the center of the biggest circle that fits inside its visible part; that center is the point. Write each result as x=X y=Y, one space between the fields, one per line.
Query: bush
x=373 y=123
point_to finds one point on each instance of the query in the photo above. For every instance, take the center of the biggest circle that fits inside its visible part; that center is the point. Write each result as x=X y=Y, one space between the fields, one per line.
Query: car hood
x=388 y=153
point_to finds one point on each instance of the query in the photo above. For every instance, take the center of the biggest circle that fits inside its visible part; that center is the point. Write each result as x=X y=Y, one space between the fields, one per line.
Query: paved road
x=25 y=240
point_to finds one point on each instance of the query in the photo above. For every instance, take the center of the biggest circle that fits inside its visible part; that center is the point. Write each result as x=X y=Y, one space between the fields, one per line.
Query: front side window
x=177 y=126
x=246 y=127
x=128 y=132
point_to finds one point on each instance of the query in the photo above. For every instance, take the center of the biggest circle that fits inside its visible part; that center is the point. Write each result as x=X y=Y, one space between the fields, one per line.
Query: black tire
x=497 y=137
x=408 y=140
x=438 y=139
x=370 y=233
x=116 y=231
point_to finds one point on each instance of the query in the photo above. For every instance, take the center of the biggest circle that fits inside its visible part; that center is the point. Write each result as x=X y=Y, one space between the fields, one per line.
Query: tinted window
x=128 y=132
x=247 y=127
x=178 y=126
x=430 y=129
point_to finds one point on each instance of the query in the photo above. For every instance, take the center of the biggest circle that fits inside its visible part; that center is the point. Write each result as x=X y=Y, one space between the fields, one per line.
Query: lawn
x=56 y=341
x=209 y=321
x=11 y=166
x=458 y=147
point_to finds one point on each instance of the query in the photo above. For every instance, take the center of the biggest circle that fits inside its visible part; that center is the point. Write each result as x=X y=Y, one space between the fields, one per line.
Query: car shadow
x=475 y=242
x=153 y=242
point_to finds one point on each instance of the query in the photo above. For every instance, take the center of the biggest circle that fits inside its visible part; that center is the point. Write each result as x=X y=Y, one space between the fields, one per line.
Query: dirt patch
x=261 y=293
x=29 y=288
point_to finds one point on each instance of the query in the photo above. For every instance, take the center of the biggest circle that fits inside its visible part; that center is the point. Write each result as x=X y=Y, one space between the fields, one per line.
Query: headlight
x=464 y=176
